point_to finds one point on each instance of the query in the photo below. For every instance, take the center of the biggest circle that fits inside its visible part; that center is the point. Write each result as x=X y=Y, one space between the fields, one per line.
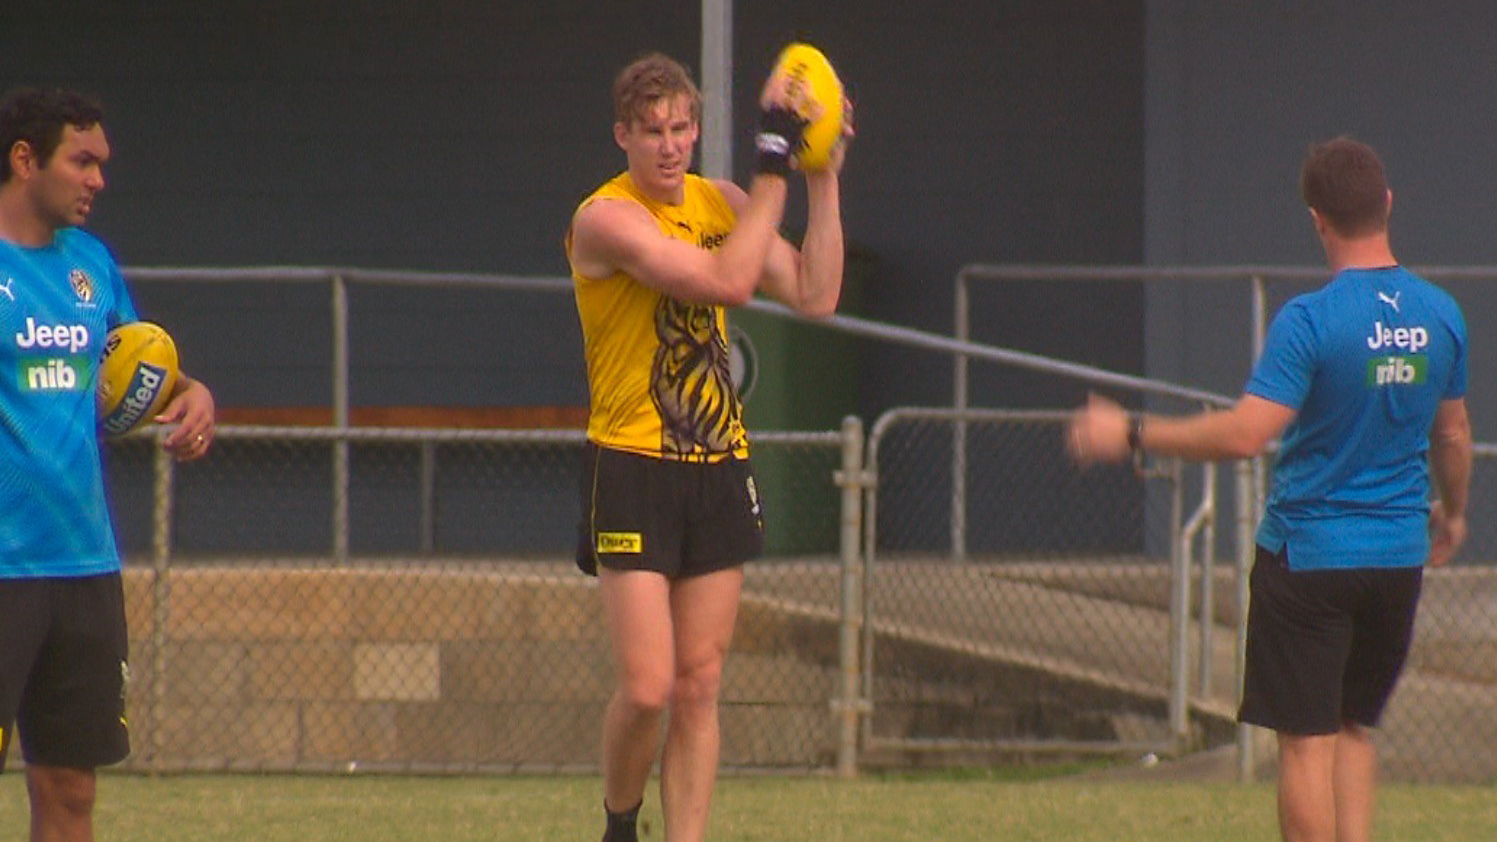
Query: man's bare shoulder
x=607 y=214
x=605 y=231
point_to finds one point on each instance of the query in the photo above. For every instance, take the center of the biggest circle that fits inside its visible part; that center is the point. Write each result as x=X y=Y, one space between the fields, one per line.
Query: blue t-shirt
x=1365 y=361
x=57 y=305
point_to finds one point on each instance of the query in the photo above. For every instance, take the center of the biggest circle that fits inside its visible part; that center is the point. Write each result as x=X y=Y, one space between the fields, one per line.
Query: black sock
x=622 y=826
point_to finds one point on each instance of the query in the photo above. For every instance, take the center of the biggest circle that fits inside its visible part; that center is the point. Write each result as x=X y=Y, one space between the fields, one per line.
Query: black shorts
x=63 y=672
x=1325 y=647
x=679 y=519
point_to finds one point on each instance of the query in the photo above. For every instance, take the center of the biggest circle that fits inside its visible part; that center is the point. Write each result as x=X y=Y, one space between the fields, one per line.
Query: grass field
x=979 y=806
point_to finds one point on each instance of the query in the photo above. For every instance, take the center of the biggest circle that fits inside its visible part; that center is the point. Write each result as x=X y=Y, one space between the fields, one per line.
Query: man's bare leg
x=705 y=609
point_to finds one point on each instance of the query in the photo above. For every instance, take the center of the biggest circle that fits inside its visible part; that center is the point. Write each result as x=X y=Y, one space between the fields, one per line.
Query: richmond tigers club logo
x=83 y=285
x=692 y=384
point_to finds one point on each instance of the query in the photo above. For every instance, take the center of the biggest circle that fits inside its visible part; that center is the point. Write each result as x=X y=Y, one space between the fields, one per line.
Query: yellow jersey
x=657 y=368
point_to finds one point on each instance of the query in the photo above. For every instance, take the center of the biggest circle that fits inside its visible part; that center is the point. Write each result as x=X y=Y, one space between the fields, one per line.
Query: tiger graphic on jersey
x=691 y=385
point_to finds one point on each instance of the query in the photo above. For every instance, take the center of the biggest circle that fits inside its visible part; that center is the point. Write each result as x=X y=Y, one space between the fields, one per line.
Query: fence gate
x=1014 y=602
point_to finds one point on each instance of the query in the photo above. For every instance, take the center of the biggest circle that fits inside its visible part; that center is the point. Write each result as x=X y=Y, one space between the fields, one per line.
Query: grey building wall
x=1236 y=91
x=448 y=135
x=1006 y=131
x=437 y=135
x=459 y=135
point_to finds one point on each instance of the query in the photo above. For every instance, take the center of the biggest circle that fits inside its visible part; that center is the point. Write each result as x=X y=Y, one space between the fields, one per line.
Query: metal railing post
x=849 y=705
x=428 y=497
x=960 y=401
x=1179 y=714
x=1207 y=515
x=1260 y=331
x=870 y=553
x=340 y=419
x=1251 y=478
x=1245 y=472
x=162 y=510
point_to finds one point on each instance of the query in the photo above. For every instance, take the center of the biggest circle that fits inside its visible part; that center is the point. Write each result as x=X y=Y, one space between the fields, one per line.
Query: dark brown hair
x=1343 y=181
x=37 y=116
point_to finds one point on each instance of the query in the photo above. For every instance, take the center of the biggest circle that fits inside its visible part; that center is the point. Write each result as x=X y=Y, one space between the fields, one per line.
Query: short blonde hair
x=648 y=80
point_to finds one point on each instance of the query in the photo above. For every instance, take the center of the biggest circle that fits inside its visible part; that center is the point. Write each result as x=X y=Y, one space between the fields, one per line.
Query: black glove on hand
x=779 y=139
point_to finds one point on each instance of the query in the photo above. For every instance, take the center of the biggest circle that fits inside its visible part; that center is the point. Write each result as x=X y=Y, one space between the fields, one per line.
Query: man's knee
x=61 y=791
x=698 y=686
x=647 y=694
x=1306 y=753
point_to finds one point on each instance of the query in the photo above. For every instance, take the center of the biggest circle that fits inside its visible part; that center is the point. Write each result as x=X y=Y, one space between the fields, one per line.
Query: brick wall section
x=305 y=668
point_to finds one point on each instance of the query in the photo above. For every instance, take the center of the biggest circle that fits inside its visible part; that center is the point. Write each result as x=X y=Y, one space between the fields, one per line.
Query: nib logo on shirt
x=56 y=374
x=1397 y=371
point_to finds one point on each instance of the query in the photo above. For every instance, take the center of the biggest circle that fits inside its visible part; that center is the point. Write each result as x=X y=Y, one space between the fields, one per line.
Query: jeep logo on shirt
x=71 y=338
x=1410 y=339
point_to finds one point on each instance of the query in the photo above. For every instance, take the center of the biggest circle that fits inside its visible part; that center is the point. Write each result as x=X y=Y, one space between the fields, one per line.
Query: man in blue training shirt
x=63 y=644
x=1365 y=379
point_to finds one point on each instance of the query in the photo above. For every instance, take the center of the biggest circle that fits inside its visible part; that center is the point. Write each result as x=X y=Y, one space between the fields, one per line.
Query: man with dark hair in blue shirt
x=63 y=644
x=1365 y=379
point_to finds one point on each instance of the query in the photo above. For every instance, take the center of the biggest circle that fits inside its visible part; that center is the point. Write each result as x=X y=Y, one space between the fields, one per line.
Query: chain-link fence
x=314 y=598
x=388 y=599
x=1051 y=630
x=1060 y=628
x=1442 y=722
x=311 y=599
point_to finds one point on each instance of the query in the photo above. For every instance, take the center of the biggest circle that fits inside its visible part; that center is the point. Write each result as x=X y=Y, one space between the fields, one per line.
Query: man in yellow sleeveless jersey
x=670 y=512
